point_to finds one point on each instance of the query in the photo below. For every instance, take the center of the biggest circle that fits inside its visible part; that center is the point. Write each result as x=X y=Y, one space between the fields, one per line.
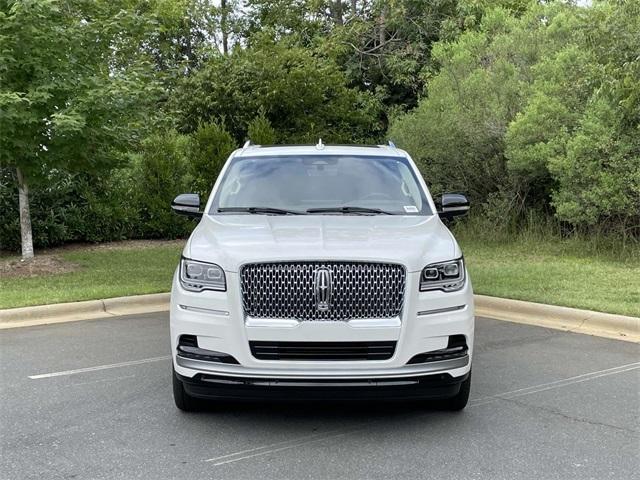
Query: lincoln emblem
x=322 y=283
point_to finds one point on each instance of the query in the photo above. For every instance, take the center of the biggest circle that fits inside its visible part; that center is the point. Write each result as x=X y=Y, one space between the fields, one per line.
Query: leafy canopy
x=538 y=111
x=303 y=95
x=73 y=83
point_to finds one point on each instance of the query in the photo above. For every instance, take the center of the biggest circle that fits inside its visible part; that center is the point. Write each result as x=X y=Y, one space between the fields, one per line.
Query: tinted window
x=300 y=183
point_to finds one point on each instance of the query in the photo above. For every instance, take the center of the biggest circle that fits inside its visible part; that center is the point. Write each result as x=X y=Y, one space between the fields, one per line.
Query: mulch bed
x=49 y=262
x=37 y=266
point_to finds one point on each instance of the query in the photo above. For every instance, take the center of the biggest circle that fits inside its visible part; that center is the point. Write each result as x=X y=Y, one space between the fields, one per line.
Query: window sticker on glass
x=410 y=209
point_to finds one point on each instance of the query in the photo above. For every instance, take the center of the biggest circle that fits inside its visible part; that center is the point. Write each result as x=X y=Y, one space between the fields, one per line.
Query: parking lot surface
x=93 y=400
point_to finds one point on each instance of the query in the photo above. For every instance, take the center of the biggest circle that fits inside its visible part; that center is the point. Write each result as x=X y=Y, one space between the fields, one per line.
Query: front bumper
x=435 y=386
x=427 y=321
x=240 y=373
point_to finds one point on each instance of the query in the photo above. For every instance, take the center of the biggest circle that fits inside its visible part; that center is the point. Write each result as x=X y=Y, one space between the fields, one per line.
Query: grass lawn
x=554 y=273
x=100 y=273
x=551 y=271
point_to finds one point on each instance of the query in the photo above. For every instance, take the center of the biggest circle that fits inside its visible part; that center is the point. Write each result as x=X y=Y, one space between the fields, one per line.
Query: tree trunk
x=188 y=48
x=224 y=16
x=382 y=26
x=337 y=12
x=25 y=216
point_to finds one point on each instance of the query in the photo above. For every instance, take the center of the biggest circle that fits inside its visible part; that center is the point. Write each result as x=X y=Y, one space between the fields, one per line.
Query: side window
x=409 y=185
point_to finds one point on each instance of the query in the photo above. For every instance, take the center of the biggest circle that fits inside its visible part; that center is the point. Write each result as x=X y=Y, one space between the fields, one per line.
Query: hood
x=233 y=240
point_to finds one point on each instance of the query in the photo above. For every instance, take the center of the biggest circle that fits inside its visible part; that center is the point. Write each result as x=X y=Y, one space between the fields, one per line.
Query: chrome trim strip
x=252 y=322
x=306 y=373
x=209 y=311
x=290 y=383
x=441 y=310
x=455 y=209
x=394 y=322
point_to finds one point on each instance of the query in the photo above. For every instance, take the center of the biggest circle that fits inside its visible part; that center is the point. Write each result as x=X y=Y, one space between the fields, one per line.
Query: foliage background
x=114 y=107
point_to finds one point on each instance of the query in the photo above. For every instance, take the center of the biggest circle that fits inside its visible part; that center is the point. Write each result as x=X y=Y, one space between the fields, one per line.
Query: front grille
x=322 y=350
x=288 y=290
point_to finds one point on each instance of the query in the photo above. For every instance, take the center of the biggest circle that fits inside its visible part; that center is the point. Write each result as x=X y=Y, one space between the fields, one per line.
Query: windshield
x=320 y=184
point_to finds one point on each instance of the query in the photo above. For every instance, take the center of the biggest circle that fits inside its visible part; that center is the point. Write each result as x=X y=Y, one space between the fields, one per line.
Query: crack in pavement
x=567 y=416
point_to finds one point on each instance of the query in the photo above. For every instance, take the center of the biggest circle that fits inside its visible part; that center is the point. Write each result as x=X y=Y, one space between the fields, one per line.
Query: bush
x=158 y=174
x=456 y=134
x=537 y=113
x=210 y=146
x=68 y=207
x=261 y=132
x=132 y=201
x=304 y=95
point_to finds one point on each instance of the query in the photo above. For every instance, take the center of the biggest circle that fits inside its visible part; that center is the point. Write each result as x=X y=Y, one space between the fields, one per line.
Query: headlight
x=446 y=276
x=199 y=276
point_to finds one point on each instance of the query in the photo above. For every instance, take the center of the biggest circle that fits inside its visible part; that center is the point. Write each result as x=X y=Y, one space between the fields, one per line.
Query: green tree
x=210 y=146
x=158 y=175
x=261 y=132
x=537 y=110
x=73 y=88
x=578 y=136
x=385 y=46
x=298 y=21
x=382 y=46
x=598 y=176
x=457 y=131
x=188 y=32
x=303 y=95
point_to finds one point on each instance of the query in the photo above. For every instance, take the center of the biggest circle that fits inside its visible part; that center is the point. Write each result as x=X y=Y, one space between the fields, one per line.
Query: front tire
x=182 y=399
x=460 y=401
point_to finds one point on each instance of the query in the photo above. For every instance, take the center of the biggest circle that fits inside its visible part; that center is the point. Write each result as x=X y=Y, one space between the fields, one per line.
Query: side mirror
x=452 y=205
x=187 y=204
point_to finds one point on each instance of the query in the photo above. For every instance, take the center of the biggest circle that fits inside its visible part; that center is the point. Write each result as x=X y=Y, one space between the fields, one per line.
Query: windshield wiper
x=257 y=210
x=347 y=209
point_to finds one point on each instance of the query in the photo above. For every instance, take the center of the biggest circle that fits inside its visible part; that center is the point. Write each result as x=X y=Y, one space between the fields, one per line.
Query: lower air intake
x=325 y=351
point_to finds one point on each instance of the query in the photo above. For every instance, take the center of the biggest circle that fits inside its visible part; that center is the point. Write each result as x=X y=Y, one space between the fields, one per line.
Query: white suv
x=321 y=272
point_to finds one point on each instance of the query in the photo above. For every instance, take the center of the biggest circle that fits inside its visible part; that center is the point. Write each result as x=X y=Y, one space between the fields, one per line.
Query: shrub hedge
x=124 y=203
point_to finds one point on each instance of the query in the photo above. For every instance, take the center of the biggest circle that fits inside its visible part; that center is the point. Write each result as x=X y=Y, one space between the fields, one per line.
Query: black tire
x=183 y=401
x=458 y=402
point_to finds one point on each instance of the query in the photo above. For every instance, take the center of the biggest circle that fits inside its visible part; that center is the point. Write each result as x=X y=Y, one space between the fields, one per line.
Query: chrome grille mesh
x=286 y=290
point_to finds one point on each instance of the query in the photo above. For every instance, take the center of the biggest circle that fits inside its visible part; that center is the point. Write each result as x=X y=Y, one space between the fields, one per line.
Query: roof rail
x=391 y=144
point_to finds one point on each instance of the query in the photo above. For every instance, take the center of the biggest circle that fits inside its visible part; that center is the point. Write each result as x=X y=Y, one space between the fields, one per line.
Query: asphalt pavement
x=92 y=400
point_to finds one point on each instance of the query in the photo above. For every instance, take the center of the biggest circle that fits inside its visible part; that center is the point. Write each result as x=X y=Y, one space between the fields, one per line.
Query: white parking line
x=306 y=440
x=307 y=437
x=266 y=449
x=556 y=384
x=99 y=367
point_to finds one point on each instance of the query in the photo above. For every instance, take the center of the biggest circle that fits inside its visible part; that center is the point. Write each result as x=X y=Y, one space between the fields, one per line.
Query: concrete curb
x=562 y=318
x=87 y=310
x=600 y=324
